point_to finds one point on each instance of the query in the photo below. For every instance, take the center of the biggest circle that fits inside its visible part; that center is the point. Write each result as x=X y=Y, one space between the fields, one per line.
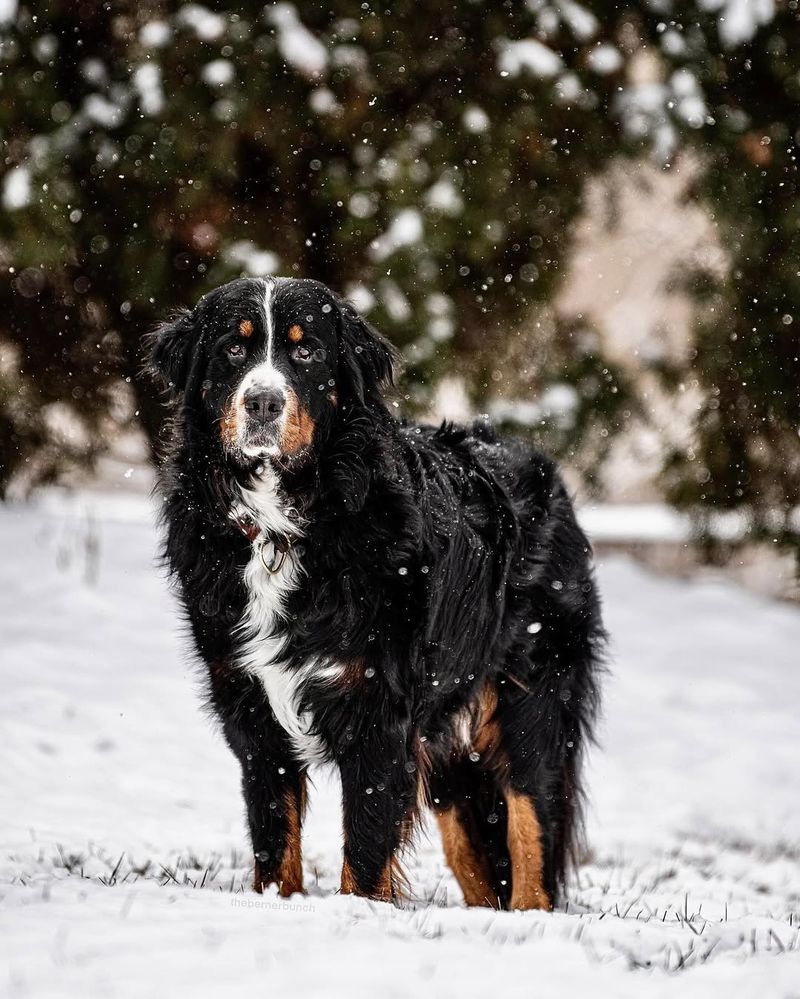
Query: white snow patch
x=361 y=205
x=451 y=400
x=322 y=101
x=207 y=25
x=155 y=34
x=475 y=119
x=739 y=20
x=361 y=298
x=441 y=325
x=8 y=11
x=218 y=72
x=621 y=523
x=441 y=328
x=528 y=55
x=350 y=56
x=673 y=43
x=557 y=402
x=578 y=19
x=604 y=59
x=94 y=71
x=17 y=191
x=147 y=83
x=569 y=88
x=255 y=261
x=45 y=47
x=444 y=196
x=405 y=229
x=301 y=50
x=689 y=103
x=122 y=831
x=394 y=301
x=102 y=111
x=643 y=110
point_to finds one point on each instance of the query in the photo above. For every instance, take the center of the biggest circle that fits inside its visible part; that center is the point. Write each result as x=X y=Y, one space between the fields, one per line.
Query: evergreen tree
x=428 y=160
x=154 y=152
x=748 y=341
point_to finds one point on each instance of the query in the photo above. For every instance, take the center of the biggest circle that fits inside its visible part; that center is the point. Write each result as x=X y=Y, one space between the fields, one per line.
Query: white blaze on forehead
x=265 y=375
x=270 y=287
x=269 y=318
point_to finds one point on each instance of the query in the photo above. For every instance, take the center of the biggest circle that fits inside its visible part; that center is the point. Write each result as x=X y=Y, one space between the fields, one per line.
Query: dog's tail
x=551 y=701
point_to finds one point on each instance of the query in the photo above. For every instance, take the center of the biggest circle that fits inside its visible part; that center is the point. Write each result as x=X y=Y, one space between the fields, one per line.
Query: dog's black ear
x=170 y=351
x=366 y=359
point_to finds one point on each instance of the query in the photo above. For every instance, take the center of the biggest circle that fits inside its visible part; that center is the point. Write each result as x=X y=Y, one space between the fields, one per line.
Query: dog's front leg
x=379 y=795
x=273 y=783
x=275 y=813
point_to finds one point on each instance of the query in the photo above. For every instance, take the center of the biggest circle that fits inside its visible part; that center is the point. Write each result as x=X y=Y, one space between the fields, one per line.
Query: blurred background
x=580 y=217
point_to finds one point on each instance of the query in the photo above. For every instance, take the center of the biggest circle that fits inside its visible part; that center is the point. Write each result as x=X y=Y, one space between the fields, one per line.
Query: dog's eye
x=302 y=353
x=237 y=352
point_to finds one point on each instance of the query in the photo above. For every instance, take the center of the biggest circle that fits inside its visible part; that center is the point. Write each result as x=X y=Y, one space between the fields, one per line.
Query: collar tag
x=273 y=552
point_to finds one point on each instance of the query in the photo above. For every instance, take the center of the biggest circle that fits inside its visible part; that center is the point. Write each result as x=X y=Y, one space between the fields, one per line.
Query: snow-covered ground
x=123 y=854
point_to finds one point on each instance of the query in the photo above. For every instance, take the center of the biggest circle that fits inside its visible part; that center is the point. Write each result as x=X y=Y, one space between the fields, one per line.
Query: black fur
x=434 y=562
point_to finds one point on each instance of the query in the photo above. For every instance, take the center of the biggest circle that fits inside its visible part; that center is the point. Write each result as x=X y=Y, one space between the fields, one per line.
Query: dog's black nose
x=264 y=405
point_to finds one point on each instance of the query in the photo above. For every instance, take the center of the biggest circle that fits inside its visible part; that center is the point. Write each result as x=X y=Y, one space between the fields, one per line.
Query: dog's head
x=269 y=364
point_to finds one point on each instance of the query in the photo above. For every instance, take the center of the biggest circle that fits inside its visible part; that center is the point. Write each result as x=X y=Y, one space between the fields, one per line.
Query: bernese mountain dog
x=413 y=605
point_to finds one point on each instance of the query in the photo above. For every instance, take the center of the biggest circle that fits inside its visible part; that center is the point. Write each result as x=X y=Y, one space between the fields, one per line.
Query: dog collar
x=271 y=550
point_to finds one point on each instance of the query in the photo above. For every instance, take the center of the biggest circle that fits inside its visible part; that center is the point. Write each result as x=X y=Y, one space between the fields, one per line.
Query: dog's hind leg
x=471 y=814
x=466 y=856
x=542 y=729
x=527 y=853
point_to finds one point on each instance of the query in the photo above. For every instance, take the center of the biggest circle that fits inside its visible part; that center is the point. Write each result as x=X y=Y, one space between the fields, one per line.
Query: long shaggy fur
x=440 y=630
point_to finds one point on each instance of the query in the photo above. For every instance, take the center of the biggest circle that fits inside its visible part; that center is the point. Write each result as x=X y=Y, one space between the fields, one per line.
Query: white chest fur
x=261 y=631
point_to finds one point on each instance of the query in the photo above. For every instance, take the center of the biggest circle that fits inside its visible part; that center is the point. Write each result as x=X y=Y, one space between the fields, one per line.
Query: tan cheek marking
x=246 y=327
x=295 y=334
x=229 y=425
x=298 y=427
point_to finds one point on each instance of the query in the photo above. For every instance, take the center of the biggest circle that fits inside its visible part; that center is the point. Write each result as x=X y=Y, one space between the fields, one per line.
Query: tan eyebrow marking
x=246 y=327
x=295 y=334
